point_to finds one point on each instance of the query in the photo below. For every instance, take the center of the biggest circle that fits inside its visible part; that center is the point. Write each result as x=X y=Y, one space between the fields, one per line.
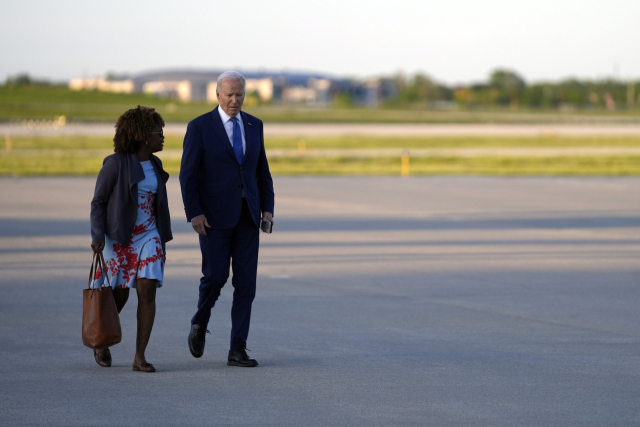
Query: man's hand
x=199 y=223
x=97 y=246
x=267 y=216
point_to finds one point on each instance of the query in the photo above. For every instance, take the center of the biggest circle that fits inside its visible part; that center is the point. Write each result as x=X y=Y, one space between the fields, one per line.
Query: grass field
x=50 y=102
x=360 y=155
x=322 y=155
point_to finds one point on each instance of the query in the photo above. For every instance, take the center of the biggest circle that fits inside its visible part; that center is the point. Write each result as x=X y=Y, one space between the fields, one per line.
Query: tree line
x=505 y=88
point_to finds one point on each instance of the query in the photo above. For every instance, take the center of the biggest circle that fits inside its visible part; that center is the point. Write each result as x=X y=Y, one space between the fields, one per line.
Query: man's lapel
x=250 y=137
x=220 y=132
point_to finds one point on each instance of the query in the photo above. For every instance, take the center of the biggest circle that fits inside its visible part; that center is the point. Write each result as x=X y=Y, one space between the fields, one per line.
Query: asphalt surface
x=429 y=301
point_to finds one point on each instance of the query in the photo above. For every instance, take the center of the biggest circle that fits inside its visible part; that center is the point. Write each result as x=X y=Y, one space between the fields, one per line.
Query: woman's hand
x=97 y=246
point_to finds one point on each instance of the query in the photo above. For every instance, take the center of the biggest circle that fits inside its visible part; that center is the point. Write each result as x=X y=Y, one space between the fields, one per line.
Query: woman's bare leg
x=121 y=295
x=146 y=290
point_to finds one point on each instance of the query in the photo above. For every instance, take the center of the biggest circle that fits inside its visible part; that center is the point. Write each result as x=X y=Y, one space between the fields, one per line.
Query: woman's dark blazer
x=114 y=208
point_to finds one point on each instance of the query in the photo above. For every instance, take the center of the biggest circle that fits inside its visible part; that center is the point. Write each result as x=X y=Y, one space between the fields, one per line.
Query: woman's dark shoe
x=143 y=367
x=102 y=356
x=239 y=357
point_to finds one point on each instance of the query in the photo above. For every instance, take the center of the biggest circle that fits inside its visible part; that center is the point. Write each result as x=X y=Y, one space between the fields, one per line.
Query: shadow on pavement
x=38 y=227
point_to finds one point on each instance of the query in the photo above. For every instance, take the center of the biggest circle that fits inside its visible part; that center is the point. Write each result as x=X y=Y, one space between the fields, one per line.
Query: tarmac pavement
x=49 y=128
x=436 y=301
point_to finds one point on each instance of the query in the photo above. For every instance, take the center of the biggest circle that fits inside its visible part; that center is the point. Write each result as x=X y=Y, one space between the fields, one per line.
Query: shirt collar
x=225 y=117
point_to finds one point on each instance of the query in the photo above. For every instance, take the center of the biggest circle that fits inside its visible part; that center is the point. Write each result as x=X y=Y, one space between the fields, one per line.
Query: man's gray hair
x=231 y=75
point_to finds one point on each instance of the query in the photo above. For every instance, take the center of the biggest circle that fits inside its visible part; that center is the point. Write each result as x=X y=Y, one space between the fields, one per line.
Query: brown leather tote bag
x=100 y=320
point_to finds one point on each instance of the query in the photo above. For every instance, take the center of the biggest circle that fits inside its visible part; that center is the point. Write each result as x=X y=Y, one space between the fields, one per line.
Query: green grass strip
x=20 y=165
x=348 y=142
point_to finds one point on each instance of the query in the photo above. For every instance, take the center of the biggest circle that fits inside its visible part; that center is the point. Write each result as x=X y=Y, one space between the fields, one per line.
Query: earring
x=146 y=142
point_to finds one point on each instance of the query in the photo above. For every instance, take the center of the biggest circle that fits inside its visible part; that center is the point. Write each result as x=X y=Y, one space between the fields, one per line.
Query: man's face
x=230 y=96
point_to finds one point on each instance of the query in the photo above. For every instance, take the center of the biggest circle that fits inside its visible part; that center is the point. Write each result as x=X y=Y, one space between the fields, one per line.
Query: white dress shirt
x=228 y=126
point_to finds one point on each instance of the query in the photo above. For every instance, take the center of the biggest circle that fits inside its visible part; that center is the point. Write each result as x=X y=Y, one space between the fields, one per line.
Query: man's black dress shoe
x=196 y=340
x=239 y=357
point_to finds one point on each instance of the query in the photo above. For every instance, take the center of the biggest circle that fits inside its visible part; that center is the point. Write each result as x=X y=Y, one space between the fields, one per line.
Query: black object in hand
x=267 y=226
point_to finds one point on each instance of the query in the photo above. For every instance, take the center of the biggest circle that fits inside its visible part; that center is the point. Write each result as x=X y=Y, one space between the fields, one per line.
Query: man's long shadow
x=61 y=227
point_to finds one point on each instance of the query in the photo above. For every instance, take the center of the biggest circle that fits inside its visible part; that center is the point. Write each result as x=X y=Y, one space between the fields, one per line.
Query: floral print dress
x=143 y=258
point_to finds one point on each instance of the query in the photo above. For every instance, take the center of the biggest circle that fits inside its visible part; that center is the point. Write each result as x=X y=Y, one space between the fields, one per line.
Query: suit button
x=240 y=167
x=240 y=186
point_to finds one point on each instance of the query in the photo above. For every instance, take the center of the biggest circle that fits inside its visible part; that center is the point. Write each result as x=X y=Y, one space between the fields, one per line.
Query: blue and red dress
x=143 y=257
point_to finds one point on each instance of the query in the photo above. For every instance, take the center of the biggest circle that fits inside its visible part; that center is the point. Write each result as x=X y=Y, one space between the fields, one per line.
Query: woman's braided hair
x=133 y=127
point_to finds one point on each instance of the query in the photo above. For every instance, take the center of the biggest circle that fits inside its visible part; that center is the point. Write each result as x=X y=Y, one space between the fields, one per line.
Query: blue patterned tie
x=237 y=140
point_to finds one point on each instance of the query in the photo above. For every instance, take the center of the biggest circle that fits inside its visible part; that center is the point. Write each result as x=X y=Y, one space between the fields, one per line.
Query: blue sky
x=454 y=41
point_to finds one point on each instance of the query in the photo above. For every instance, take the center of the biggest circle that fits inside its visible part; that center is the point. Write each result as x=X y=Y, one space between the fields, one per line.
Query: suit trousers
x=236 y=247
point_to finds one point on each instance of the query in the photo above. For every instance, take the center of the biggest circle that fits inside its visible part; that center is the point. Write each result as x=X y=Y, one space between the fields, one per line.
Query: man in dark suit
x=227 y=192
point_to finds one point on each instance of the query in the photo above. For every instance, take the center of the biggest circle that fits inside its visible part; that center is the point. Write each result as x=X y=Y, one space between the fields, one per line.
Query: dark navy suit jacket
x=211 y=178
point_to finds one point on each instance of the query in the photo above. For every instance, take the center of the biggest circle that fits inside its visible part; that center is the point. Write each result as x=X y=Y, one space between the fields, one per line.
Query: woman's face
x=155 y=139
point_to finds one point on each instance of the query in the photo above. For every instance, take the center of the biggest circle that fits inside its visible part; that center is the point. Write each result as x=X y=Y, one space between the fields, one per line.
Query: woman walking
x=130 y=222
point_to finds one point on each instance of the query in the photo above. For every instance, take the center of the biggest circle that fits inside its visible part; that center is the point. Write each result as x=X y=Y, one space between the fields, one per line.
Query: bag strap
x=92 y=269
x=104 y=268
x=98 y=258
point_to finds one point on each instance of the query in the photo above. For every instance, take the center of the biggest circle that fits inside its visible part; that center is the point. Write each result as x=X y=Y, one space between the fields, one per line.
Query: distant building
x=263 y=87
x=276 y=87
x=103 y=85
x=371 y=94
x=178 y=90
x=315 y=92
x=298 y=94
x=182 y=85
